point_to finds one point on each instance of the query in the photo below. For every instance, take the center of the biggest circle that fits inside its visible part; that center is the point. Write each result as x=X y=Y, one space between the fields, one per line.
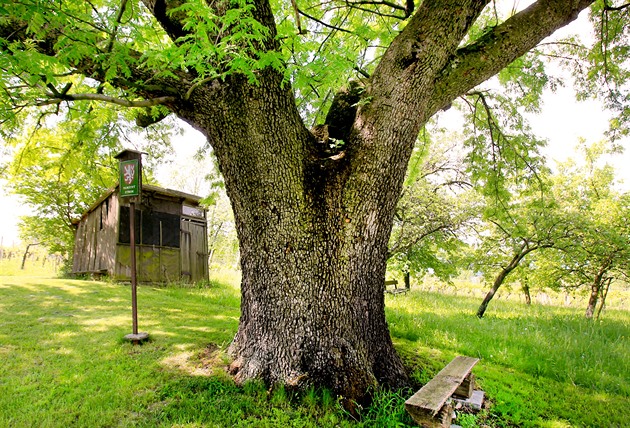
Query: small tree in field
x=530 y=223
x=600 y=251
x=433 y=213
x=313 y=206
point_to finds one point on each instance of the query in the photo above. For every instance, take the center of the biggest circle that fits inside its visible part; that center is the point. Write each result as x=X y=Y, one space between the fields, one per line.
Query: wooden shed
x=170 y=234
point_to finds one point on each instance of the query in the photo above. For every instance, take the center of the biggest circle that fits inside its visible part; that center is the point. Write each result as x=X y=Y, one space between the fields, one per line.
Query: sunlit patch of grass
x=13 y=267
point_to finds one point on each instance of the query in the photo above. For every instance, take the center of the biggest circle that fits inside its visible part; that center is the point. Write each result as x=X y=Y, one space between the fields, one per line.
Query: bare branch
x=296 y=10
x=616 y=8
x=325 y=24
x=378 y=3
x=112 y=38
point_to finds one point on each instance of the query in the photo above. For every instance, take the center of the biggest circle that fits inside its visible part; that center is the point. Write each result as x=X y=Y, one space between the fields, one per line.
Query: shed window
x=193 y=211
x=151 y=228
x=123 y=231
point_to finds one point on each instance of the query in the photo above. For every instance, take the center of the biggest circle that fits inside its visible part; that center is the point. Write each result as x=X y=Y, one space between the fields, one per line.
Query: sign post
x=130 y=186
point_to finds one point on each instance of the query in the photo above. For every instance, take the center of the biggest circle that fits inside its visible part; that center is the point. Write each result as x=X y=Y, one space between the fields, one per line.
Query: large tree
x=313 y=210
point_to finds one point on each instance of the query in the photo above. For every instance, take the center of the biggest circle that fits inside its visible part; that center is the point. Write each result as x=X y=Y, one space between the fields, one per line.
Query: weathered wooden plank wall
x=98 y=247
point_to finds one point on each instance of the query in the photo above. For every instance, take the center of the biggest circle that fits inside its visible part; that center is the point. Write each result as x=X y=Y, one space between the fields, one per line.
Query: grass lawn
x=63 y=360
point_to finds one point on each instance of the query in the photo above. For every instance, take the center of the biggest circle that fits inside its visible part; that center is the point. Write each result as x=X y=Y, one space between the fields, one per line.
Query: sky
x=563 y=122
x=10 y=211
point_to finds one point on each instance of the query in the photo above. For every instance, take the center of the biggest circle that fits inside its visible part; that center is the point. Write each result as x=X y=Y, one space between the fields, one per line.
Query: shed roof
x=185 y=197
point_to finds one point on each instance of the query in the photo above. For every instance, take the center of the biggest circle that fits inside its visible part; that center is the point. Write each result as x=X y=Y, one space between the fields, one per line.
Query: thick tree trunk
x=313 y=245
x=313 y=227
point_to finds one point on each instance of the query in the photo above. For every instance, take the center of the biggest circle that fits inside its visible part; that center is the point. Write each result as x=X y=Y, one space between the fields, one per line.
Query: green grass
x=540 y=365
x=39 y=267
x=63 y=360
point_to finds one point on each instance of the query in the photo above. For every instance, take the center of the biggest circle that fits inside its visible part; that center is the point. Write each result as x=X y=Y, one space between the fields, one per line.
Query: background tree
x=599 y=253
x=313 y=212
x=520 y=213
x=434 y=211
x=529 y=222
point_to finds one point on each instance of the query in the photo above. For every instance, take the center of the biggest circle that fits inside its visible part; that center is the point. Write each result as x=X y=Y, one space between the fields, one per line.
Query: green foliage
x=434 y=212
x=503 y=154
x=219 y=42
x=608 y=75
x=334 y=44
x=526 y=79
x=61 y=165
x=599 y=216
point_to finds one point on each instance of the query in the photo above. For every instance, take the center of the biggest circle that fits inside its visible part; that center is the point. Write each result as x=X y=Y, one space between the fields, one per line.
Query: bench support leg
x=466 y=388
x=427 y=419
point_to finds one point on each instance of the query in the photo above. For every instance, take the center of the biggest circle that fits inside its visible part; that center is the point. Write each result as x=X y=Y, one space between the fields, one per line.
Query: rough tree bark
x=313 y=227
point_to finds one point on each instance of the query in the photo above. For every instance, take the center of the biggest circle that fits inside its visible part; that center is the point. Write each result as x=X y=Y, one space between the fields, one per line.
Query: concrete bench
x=431 y=405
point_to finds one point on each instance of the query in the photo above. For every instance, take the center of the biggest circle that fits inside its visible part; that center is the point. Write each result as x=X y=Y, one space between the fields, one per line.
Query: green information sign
x=129 y=178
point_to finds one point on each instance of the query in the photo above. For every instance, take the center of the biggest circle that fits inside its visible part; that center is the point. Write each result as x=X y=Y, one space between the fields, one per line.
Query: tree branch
x=616 y=8
x=171 y=22
x=431 y=30
x=332 y=27
x=485 y=57
x=112 y=37
x=106 y=98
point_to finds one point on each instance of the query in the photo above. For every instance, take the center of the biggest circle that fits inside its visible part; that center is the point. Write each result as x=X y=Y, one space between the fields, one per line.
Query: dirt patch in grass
x=210 y=361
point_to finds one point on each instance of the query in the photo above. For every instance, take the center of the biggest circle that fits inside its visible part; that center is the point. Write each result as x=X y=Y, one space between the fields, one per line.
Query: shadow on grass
x=64 y=362
x=63 y=359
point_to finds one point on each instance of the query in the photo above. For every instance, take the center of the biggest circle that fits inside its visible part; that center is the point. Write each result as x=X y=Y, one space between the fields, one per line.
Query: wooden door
x=194 y=250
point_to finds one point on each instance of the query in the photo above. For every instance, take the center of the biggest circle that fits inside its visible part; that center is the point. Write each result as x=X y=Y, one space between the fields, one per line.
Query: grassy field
x=63 y=360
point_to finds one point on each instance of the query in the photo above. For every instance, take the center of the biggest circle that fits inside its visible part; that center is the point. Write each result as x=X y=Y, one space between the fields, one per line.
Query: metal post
x=130 y=186
x=132 y=234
